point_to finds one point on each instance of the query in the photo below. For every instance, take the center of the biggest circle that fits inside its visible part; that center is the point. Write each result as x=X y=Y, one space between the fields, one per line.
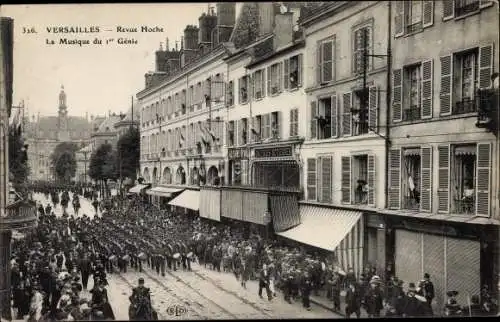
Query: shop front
x=458 y=256
x=376 y=245
x=237 y=166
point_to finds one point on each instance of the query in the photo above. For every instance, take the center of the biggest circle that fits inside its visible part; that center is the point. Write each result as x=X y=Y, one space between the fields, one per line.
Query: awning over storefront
x=336 y=230
x=138 y=188
x=189 y=199
x=162 y=191
x=284 y=211
x=210 y=203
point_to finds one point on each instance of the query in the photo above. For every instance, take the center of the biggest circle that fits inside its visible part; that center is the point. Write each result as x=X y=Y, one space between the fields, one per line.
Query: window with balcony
x=324 y=119
x=412 y=92
x=410 y=178
x=294 y=122
x=257 y=128
x=463 y=179
x=413 y=16
x=466 y=76
x=359 y=112
x=326 y=61
x=293 y=71
x=183 y=102
x=230 y=94
x=243 y=87
x=258 y=86
x=230 y=133
x=275 y=126
x=244 y=131
x=274 y=79
x=360 y=176
x=362 y=44
x=207 y=91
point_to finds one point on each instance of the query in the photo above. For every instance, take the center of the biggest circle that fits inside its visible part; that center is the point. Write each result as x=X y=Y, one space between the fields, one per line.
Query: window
x=295 y=70
x=466 y=81
x=412 y=93
x=265 y=126
x=326 y=59
x=258 y=78
x=230 y=94
x=169 y=107
x=362 y=45
x=294 y=122
x=217 y=88
x=257 y=128
x=413 y=21
x=463 y=7
x=275 y=126
x=243 y=90
x=360 y=176
x=410 y=178
x=412 y=16
x=244 y=130
x=176 y=104
x=183 y=102
x=359 y=112
x=463 y=179
x=207 y=91
x=230 y=133
x=274 y=79
x=324 y=118
x=191 y=98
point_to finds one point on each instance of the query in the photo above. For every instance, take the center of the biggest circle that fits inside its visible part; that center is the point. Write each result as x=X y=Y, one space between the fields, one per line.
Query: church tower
x=62 y=126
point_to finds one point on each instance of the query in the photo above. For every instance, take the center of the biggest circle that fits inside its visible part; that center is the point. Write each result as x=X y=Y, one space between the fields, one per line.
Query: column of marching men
x=132 y=233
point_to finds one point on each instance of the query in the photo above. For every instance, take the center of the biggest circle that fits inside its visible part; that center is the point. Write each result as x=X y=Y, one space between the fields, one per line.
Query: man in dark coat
x=264 y=279
x=373 y=299
x=306 y=288
x=413 y=306
x=428 y=289
x=353 y=301
x=85 y=267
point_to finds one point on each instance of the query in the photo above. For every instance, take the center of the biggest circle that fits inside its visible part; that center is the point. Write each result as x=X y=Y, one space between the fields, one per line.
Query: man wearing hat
x=452 y=308
x=353 y=300
x=413 y=307
x=428 y=289
x=373 y=298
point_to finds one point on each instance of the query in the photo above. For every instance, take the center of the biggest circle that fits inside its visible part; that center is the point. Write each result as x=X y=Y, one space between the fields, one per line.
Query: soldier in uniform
x=140 y=303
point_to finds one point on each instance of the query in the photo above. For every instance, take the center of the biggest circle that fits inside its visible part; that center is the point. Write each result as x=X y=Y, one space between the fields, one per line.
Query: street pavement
x=85 y=205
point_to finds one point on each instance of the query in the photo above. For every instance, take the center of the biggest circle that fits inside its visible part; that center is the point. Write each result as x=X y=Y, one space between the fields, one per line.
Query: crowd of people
x=132 y=233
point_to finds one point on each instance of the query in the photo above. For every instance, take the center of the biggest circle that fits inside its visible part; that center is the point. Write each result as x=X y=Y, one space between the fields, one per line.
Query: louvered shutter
x=300 y=61
x=371 y=179
x=427 y=75
x=238 y=133
x=286 y=74
x=443 y=178
x=426 y=179
x=346 y=179
x=254 y=87
x=346 y=114
x=239 y=91
x=445 y=95
x=228 y=134
x=483 y=179
x=279 y=121
x=373 y=108
x=296 y=114
x=394 y=179
x=397 y=95
x=314 y=120
x=318 y=62
x=279 y=78
x=335 y=116
x=428 y=14
x=485 y=65
x=263 y=82
x=326 y=179
x=448 y=9
x=267 y=118
x=269 y=72
x=398 y=18
x=311 y=179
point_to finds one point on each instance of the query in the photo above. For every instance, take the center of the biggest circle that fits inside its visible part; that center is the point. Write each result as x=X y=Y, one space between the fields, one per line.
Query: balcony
x=412 y=114
x=409 y=203
x=465 y=206
x=360 y=197
x=20 y=215
x=487 y=103
x=465 y=106
x=416 y=27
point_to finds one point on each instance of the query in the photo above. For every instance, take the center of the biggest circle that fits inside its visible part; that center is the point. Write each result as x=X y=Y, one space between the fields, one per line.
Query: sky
x=96 y=78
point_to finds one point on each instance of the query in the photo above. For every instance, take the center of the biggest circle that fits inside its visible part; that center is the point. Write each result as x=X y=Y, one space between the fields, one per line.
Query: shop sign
x=430 y=229
x=274 y=152
x=237 y=153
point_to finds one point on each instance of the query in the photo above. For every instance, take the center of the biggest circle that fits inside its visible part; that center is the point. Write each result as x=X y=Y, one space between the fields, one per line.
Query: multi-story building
x=443 y=165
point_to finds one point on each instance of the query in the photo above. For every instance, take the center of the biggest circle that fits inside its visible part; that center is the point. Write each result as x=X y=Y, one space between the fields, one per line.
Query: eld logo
x=176 y=310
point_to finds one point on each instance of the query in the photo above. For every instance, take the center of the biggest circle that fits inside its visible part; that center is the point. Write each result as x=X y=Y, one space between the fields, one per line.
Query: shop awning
x=162 y=191
x=138 y=188
x=465 y=150
x=322 y=227
x=187 y=199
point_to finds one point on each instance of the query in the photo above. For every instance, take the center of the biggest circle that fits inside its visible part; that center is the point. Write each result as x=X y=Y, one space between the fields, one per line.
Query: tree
x=18 y=157
x=128 y=150
x=103 y=165
x=63 y=160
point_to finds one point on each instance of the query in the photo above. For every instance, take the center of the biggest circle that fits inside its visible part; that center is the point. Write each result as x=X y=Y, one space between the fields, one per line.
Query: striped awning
x=335 y=230
x=162 y=191
x=189 y=199
x=465 y=150
x=138 y=188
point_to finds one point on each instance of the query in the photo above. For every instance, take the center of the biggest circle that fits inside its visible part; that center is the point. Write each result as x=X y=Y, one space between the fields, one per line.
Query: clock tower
x=62 y=124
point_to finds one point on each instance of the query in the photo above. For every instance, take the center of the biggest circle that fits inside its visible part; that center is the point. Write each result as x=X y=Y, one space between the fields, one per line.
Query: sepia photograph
x=249 y=160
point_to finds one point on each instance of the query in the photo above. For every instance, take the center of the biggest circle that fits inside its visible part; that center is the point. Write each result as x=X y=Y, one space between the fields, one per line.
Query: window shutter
x=255 y=89
x=445 y=95
x=311 y=179
x=443 y=178
x=371 y=179
x=346 y=179
x=394 y=179
x=346 y=114
x=253 y=124
x=269 y=81
x=267 y=118
x=314 y=120
x=397 y=95
x=300 y=61
x=292 y=122
x=483 y=179
x=427 y=75
x=263 y=82
x=485 y=65
x=373 y=108
x=335 y=116
x=398 y=19
x=278 y=76
x=428 y=13
x=318 y=62
x=286 y=74
x=239 y=91
x=448 y=9
x=426 y=179
x=326 y=179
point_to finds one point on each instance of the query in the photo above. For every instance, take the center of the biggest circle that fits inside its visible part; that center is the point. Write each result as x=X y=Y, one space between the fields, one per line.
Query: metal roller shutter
x=463 y=268
x=434 y=264
x=408 y=256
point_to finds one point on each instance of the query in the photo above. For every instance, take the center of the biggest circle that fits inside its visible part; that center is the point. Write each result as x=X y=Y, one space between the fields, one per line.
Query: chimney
x=207 y=24
x=190 y=37
x=283 y=29
x=160 y=60
x=226 y=19
x=167 y=48
x=266 y=16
